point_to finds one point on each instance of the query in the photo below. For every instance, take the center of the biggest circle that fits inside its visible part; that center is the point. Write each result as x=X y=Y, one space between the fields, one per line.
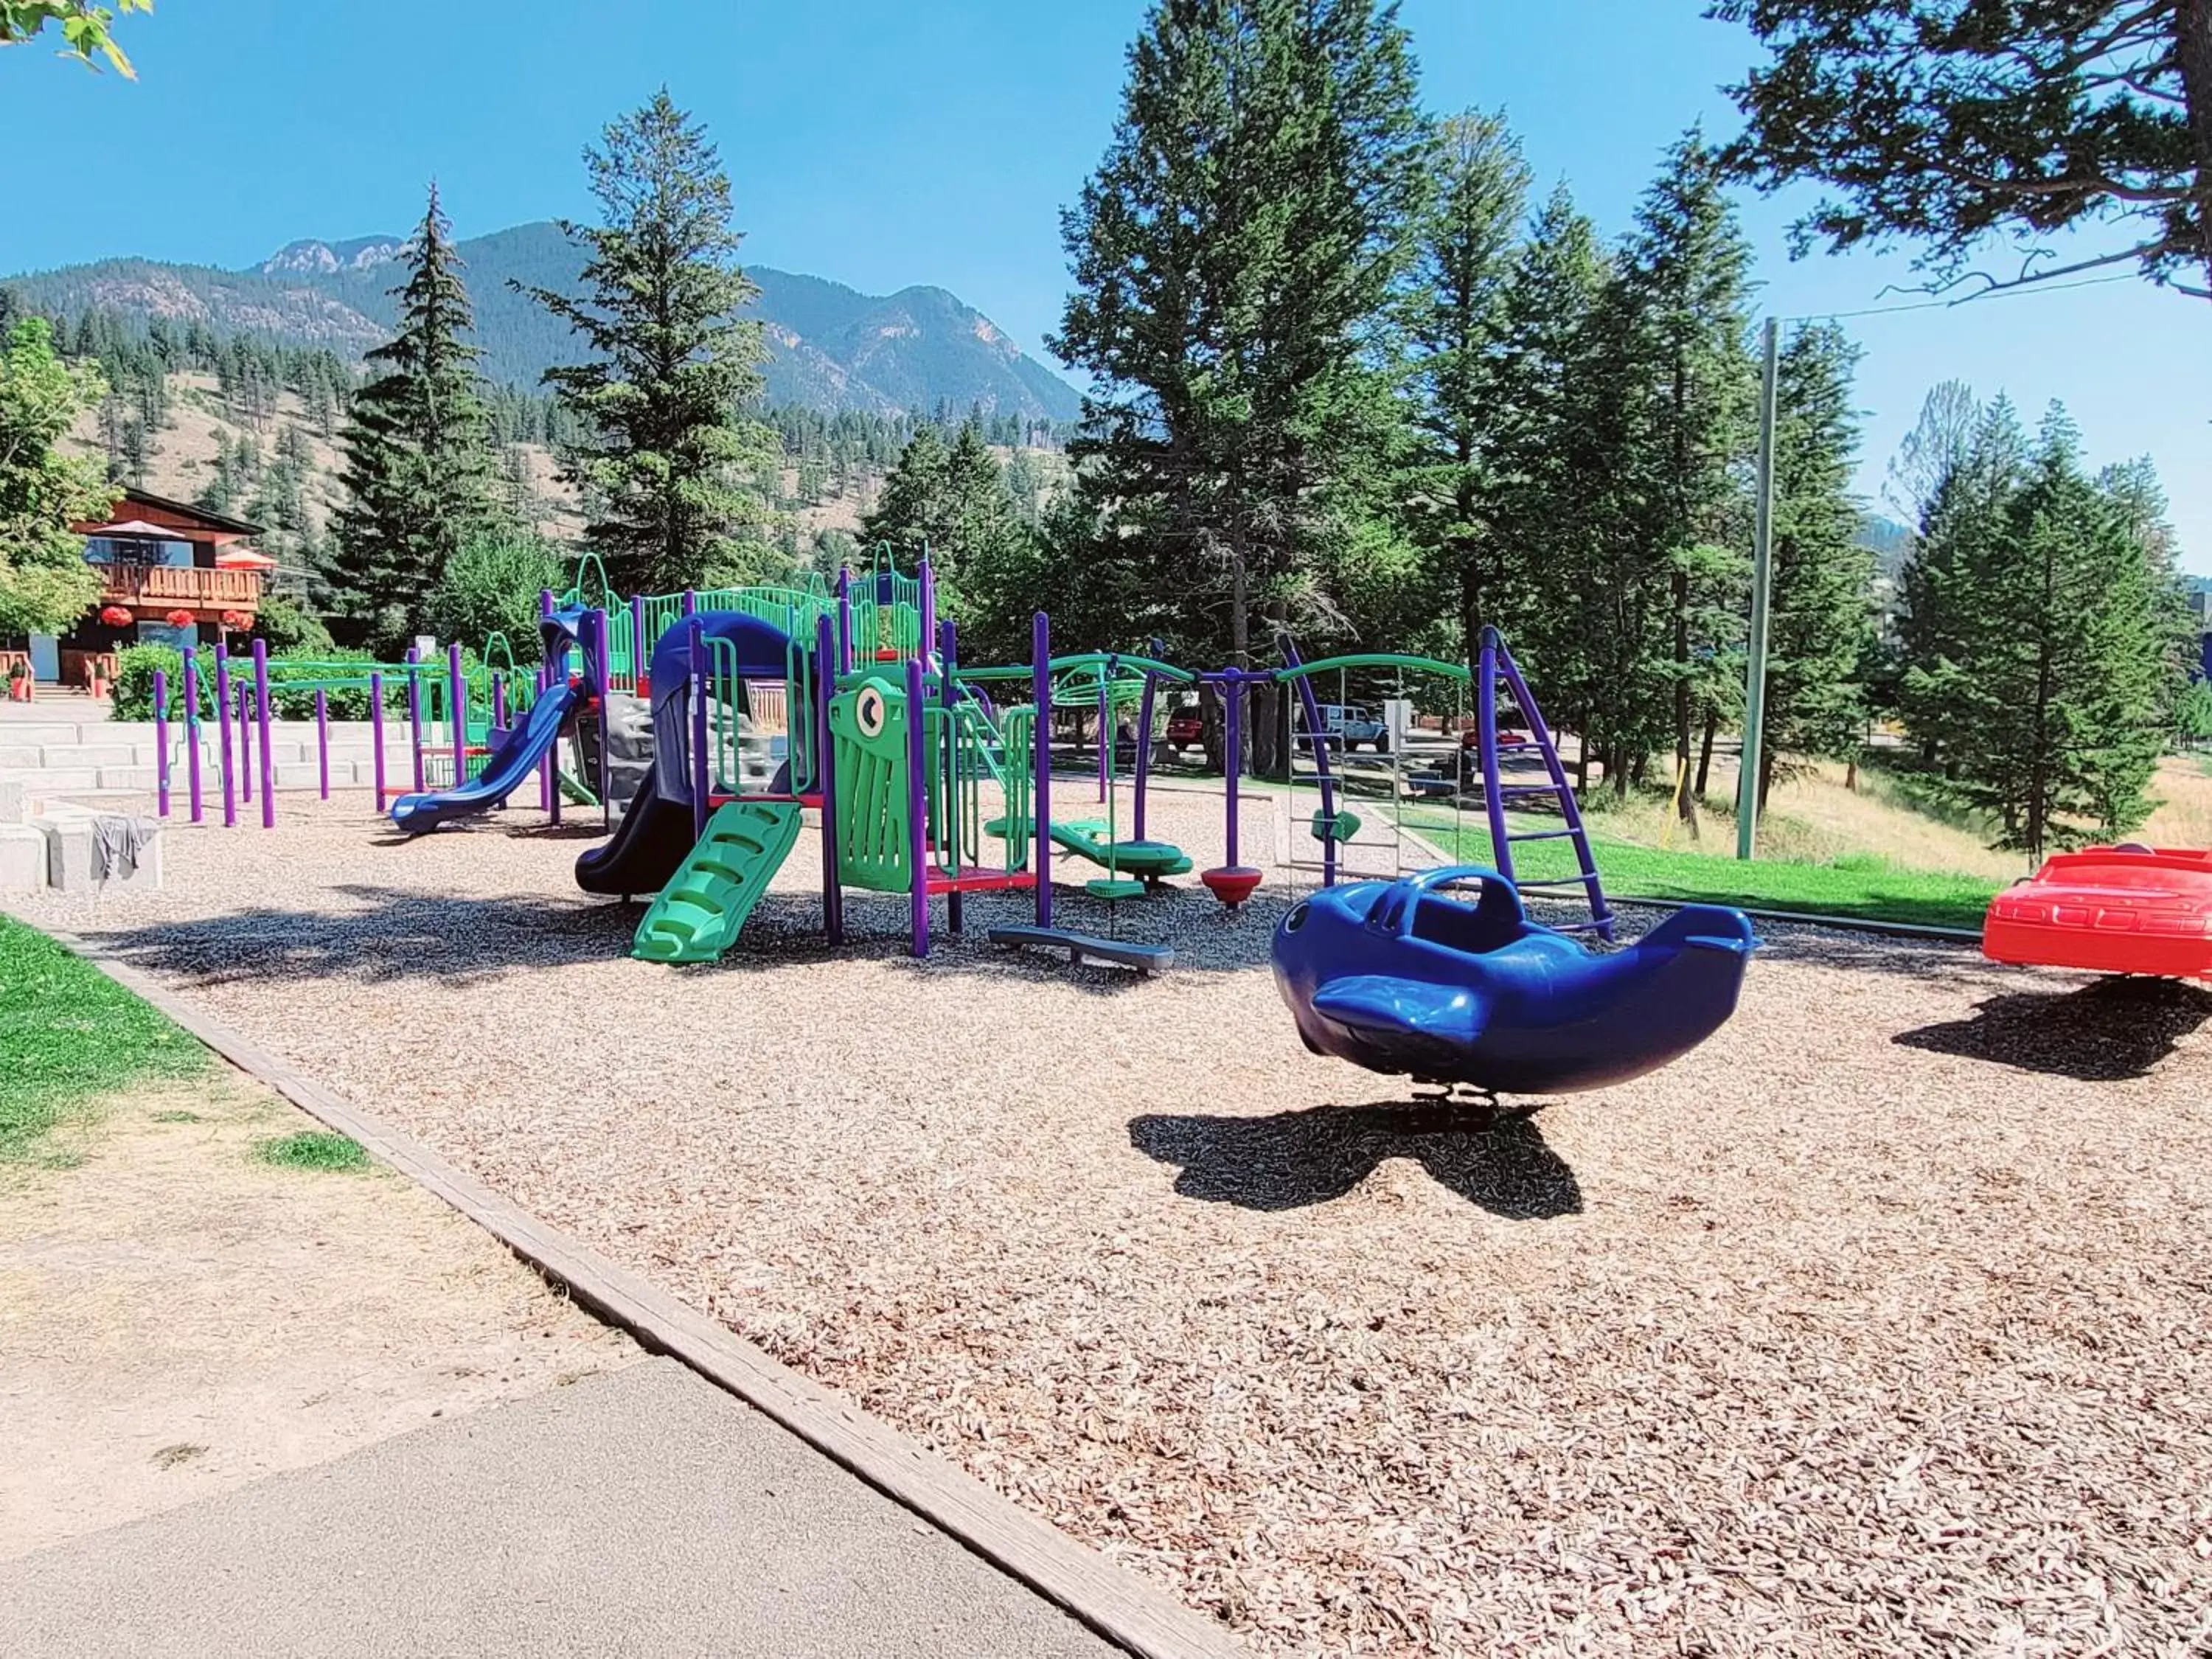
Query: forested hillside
x=829 y=346
x=250 y=427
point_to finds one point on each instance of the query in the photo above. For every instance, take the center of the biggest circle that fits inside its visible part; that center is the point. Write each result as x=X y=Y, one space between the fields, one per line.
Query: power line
x=1948 y=304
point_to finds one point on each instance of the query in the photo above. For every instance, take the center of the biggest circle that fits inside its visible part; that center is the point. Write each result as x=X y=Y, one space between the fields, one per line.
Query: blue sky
x=883 y=143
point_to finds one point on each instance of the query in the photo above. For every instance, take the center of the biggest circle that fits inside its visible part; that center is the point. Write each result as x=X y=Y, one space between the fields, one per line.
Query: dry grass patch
x=178 y=1317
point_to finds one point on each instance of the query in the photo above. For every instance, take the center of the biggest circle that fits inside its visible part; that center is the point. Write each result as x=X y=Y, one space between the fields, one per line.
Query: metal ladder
x=1498 y=669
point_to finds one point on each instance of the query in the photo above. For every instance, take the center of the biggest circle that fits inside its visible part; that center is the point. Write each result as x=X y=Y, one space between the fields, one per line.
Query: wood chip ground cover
x=1877 y=1326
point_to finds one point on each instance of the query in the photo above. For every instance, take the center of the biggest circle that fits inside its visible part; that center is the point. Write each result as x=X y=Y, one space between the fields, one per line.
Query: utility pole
x=1762 y=597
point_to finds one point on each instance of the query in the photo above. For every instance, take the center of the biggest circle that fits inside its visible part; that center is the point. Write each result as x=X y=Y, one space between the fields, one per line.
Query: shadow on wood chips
x=2107 y=1032
x=1292 y=1159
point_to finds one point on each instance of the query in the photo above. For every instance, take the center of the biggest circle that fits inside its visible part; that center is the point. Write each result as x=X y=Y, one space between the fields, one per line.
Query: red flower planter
x=117 y=615
x=179 y=618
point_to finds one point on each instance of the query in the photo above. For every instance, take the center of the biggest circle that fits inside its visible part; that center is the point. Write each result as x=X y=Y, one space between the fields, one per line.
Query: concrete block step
x=22 y=858
x=67 y=756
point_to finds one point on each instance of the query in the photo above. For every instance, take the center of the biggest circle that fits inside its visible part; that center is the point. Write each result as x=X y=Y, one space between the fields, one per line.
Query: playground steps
x=701 y=912
x=1498 y=672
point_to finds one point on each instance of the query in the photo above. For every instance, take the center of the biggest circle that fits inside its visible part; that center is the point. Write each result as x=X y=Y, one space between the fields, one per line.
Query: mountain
x=1890 y=543
x=829 y=346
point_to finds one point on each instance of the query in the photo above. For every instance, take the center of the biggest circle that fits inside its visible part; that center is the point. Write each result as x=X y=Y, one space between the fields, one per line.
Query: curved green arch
x=1376 y=659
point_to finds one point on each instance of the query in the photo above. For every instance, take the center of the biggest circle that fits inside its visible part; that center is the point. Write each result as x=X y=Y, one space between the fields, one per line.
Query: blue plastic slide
x=1398 y=978
x=504 y=770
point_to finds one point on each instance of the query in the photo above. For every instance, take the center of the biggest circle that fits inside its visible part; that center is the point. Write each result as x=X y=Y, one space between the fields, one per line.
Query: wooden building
x=171 y=573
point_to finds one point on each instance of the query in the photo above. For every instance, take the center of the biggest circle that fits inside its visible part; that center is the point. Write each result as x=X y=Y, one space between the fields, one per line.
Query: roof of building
x=136 y=503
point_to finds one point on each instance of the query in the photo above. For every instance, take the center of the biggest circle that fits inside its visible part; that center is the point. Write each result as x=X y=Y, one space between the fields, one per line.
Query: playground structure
x=766 y=703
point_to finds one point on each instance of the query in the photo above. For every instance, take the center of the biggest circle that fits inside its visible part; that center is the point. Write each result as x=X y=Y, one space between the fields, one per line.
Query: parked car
x=1348 y=727
x=1186 y=729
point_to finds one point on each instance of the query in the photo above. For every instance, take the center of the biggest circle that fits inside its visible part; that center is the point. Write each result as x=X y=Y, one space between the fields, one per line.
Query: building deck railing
x=157 y=584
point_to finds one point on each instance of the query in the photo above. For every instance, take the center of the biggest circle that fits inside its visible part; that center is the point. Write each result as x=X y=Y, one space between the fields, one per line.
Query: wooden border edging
x=1115 y=1603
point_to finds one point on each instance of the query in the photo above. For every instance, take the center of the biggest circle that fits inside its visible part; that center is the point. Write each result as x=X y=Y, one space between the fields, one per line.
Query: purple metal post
x=548 y=794
x=844 y=619
x=192 y=727
x=261 y=724
x=499 y=702
x=161 y=742
x=1040 y=688
x=457 y=706
x=690 y=601
x=222 y=725
x=917 y=802
x=376 y=734
x=245 y=741
x=601 y=689
x=825 y=780
x=1144 y=748
x=413 y=659
x=323 y=742
x=703 y=764
x=1322 y=777
x=1233 y=742
x=948 y=826
x=640 y=663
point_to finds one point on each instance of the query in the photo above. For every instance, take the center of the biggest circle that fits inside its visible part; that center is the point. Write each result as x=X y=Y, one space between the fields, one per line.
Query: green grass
x=70 y=1034
x=1863 y=887
x=313 y=1149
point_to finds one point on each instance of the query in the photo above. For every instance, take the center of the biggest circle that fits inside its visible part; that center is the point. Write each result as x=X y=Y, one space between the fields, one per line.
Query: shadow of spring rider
x=1400 y=978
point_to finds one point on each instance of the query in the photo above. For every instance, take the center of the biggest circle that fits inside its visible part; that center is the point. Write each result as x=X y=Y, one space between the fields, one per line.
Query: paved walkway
x=645 y=1513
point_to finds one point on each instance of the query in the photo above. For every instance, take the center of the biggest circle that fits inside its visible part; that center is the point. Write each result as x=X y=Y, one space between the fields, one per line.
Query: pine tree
x=1965 y=505
x=664 y=453
x=1819 y=616
x=1686 y=280
x=2067 y=668
x=1456 y=322
x=1235 y=255
x=911 y=513
x=417 y=465
x=952 y=500
x=1549 y=480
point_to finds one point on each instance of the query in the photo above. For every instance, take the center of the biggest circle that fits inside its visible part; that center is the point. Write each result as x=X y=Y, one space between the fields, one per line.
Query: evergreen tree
x=1456 y=322
x=417 y=466
x=952 y=500
x=1686 y=278
x=912 y=512
x=664 y=453
x=1235 y=255
x=1818 y=619
x=221 y=492
x=2066 y=669
x=1550 y=485
x=1937 y=597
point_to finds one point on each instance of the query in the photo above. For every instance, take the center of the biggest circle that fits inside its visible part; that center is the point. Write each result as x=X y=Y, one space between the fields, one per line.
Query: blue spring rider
x=1401 y=979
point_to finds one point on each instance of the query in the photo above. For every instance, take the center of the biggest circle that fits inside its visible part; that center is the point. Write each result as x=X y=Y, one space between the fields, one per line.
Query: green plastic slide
x=702 y=909
x=1146 y=860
